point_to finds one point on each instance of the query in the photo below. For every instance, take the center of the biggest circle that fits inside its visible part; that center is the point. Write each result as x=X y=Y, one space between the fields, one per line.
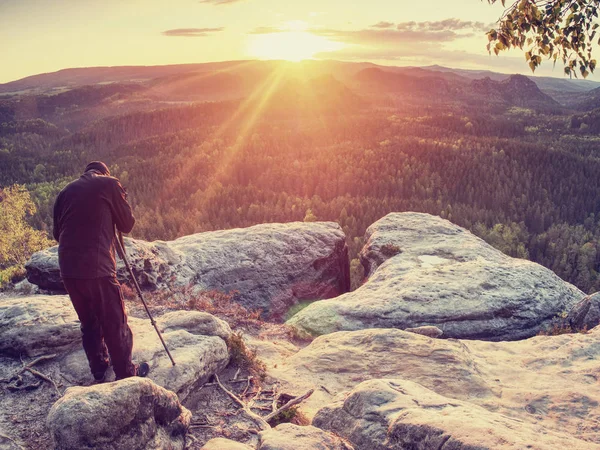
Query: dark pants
x=99 y=305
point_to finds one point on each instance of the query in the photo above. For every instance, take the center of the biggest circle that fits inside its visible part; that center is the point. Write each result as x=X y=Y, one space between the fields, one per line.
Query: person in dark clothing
x=86 y=213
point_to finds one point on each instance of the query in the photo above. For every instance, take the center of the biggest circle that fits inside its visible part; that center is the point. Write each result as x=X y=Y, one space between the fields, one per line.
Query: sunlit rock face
x=425 y=271
x=271 y=267
x=129 y=414
x=400 y=414
x=547 y=385
x=288 y=436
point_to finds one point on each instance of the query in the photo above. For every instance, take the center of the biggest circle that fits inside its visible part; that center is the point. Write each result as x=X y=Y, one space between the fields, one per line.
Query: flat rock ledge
x=129 y=414
x=270 y=267
x=399 y=414
x=288 y=436
x=43 y=325
x=549 y=383
x=425 y=271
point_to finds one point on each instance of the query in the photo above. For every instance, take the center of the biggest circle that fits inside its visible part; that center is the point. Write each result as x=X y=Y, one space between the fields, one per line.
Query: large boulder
x=36 y=325
x=547 y=381
x=42 y=270
x=270 y=266
x=399 y=414
x=426 y=271
x=288 y=436
x=129 y=414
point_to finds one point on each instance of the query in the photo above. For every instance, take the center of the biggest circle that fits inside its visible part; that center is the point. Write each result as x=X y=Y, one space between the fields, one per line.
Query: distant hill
x=94 y=75
x=544 y=83
x=219 y=78
x=589 y=102
x=516 y=90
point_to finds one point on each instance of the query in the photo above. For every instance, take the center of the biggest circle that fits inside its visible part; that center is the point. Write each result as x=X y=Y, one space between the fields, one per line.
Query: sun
x=290 y=45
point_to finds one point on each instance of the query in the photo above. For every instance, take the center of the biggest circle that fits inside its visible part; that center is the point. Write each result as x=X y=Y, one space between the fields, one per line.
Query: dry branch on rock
x=263 y=422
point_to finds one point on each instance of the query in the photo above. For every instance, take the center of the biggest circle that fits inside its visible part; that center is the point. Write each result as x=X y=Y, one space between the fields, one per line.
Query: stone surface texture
x=129 y=414
x=425 y=271
x=550 y=382
x=225 y=444
x=271 y=266
x=585 y=315
x=288 y=436
x=36 y=325
x=400 y=414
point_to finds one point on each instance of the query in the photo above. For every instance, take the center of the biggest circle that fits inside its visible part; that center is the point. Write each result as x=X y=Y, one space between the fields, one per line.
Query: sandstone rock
x=195 y=322
x=42 y=269
x=198 y=357
x=31 y=326
x=424 y=270
x=129 y=414
x=272 y=266
x=429 y=331
x=546 y=381
x=288 y=436
x=24 y=287
x=224 y=444
x=585 y=315
x=400 y=414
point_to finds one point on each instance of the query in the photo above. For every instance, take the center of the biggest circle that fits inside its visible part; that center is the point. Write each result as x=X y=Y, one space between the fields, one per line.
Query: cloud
x=444 y=25
x=220 y=2
x=379 y=37
x=419 y=56
x=383 y=25
x=192 y=32
x=415 y=43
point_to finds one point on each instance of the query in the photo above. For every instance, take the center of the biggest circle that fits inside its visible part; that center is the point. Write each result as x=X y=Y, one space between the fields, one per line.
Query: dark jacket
x=85 y=215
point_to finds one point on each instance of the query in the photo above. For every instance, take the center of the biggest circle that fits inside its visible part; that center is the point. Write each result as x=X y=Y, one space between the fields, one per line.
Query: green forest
x=523 y=178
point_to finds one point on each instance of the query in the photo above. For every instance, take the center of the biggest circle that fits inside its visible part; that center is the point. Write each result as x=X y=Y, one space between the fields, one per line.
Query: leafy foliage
x=18 y=239
x=558 y=30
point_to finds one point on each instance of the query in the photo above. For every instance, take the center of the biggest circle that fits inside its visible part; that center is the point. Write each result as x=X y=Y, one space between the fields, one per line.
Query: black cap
x=98 y=166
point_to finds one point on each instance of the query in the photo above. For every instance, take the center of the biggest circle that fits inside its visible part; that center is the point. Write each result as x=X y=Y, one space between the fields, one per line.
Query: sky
x=38 y=36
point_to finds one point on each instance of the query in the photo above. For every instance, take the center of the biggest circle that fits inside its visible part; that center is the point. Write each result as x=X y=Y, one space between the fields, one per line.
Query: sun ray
x=250 y=109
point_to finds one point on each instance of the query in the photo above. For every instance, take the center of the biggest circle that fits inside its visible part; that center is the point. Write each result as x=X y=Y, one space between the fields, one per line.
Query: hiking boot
x=142 y=369
x=99 y=377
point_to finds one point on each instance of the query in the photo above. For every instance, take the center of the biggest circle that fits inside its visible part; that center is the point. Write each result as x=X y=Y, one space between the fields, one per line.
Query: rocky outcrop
x=288 y=436
x=585 y=315
x=129 y=414
x=425 y=271
x=400 y=414
x=270 y=266
x=550 y=382
x=32 y=326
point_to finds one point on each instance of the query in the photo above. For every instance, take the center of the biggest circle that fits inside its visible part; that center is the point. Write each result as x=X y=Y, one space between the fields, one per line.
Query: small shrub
x=10 y=275
x=245 y=358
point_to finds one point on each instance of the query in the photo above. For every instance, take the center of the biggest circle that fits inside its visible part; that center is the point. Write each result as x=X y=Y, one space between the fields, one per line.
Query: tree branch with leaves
x=556 y=30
